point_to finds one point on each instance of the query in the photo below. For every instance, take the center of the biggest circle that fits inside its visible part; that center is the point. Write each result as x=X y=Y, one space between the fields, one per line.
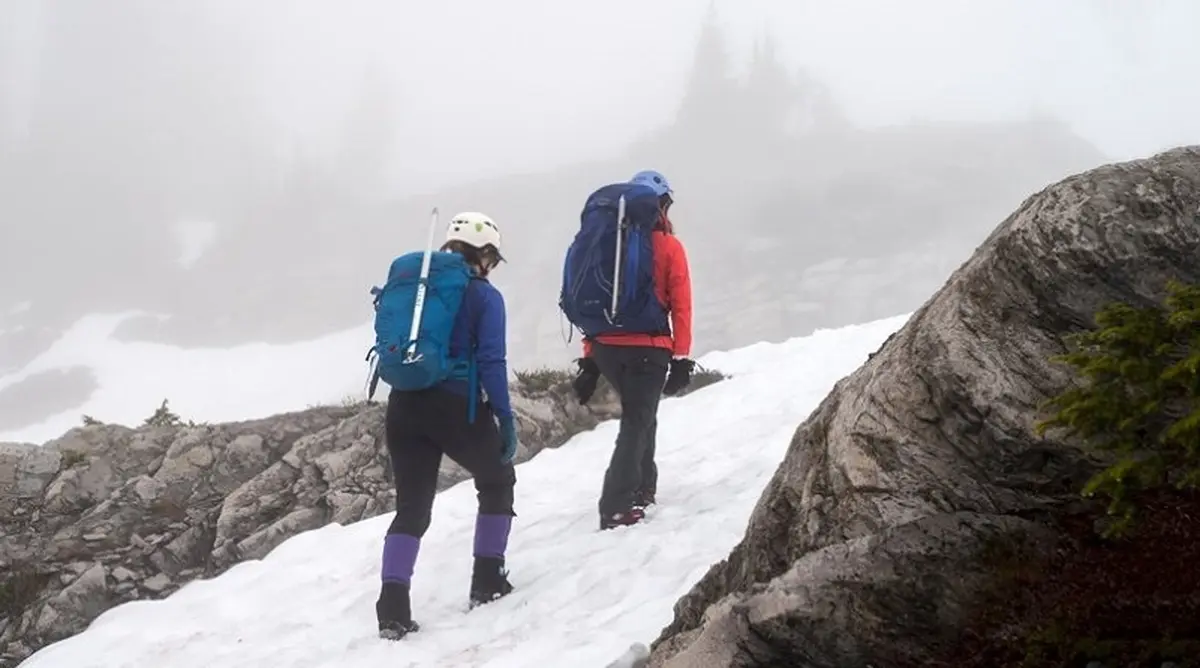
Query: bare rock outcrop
x=865 y=547
x=107 y=514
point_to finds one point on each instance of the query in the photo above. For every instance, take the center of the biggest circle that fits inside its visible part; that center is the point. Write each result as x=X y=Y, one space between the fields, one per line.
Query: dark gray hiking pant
x=637 y=373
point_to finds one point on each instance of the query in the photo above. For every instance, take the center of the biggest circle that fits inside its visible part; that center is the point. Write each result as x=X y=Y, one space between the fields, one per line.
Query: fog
x=485 y=87
x=246 y=168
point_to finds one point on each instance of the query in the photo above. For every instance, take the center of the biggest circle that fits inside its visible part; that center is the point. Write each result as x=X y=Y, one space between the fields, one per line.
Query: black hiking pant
x=423 y=426
x=637 y=374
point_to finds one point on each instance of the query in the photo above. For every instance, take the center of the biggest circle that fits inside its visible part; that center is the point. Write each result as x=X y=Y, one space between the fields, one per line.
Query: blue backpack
x=414 y=318
x=608 y=273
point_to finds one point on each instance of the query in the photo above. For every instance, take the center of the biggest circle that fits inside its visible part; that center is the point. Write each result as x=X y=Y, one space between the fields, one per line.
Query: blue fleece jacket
x=481 y=324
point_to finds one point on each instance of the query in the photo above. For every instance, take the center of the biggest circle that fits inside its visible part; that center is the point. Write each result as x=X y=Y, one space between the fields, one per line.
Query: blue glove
x=508 y=436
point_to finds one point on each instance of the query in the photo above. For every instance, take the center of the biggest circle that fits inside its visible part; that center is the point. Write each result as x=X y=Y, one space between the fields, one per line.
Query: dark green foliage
x=537 y=381
x=163 y=417
x=1139 y=399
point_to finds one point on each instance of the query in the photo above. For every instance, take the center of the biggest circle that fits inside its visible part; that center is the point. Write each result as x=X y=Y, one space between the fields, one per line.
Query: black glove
x=679 y=376
x=586 y=379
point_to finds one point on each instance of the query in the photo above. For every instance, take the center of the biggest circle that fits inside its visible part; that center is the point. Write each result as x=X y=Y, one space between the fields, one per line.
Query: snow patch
x=203 y=384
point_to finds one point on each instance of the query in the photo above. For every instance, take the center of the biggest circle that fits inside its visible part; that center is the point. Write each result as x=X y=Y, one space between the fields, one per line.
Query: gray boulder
x=865 y=548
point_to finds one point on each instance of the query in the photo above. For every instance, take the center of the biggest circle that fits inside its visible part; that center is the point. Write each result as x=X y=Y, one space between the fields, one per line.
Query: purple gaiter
x=491 y=535
x=399 y=557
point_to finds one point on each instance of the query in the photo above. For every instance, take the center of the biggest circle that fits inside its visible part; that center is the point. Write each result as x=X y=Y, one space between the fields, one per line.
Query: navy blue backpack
x=608 y=273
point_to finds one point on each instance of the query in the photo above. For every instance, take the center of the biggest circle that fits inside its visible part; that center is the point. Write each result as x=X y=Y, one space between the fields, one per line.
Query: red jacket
x=673 y=286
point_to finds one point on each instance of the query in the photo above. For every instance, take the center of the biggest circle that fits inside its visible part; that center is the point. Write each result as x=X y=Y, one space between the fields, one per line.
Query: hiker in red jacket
x=642 y=367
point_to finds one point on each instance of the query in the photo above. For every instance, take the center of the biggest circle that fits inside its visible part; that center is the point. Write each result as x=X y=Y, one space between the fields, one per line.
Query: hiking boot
x=627 y=518
x=643 y=498
x=394 y=611
x=489 y=581
x=397 y=630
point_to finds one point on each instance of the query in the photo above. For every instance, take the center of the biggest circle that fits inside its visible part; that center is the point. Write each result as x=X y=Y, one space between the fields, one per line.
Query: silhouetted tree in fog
x=768 y=93
x=727 y=121
x=709 y=105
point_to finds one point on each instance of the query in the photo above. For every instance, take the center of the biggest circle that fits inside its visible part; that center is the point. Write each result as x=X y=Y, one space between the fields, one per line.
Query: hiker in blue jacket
x=423 y=425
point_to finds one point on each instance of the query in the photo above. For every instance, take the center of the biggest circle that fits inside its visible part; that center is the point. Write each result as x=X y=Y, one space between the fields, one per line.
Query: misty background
x=244 y=170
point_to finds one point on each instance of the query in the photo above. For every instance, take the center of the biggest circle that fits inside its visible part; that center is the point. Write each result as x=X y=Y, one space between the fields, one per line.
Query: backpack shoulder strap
x=472 y=366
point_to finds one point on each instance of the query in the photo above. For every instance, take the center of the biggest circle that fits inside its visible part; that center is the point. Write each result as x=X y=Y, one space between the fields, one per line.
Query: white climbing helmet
x=474 y=229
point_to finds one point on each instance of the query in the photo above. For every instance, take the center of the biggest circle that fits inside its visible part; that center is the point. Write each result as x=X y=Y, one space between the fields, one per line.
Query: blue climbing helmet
x=654 y=179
